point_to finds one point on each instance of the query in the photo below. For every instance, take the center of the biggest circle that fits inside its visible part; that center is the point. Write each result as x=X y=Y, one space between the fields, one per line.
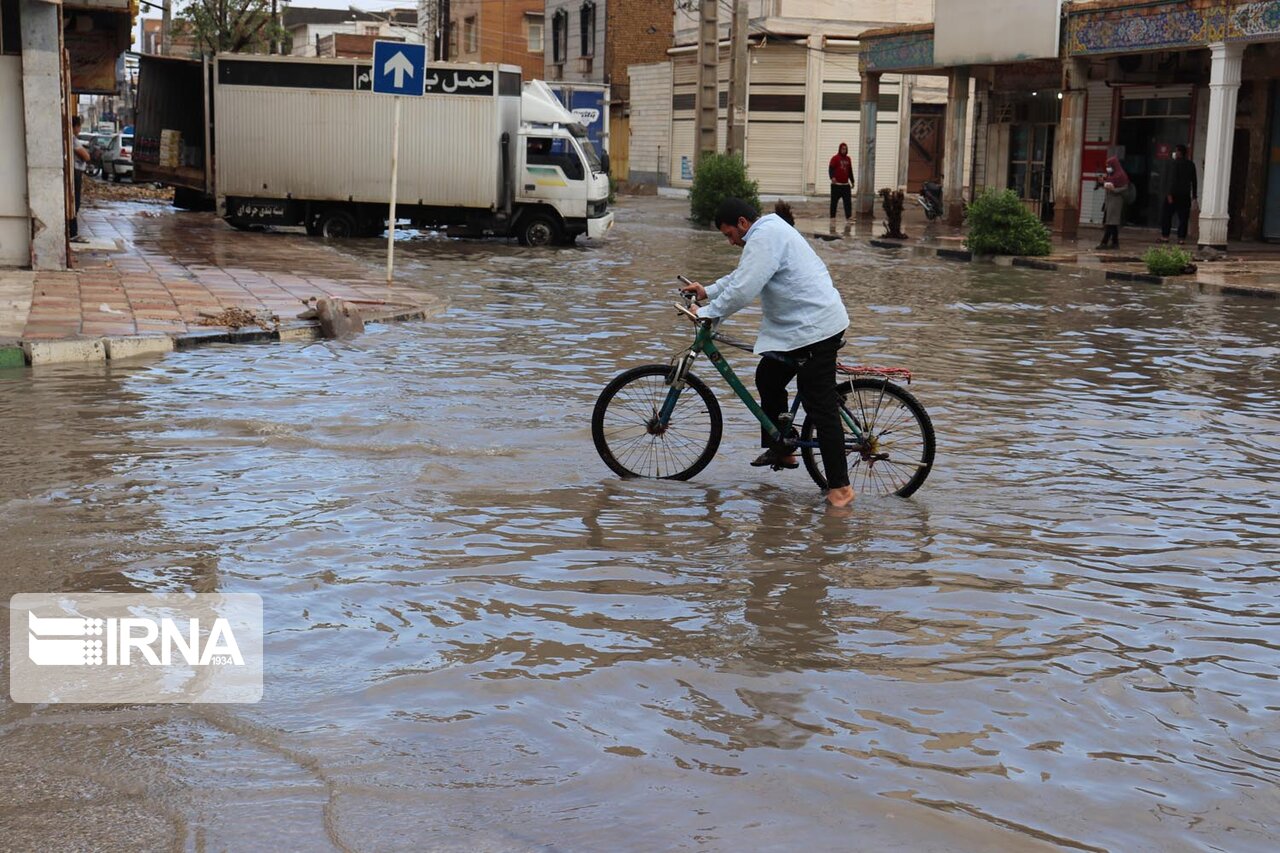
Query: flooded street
x=478 y=638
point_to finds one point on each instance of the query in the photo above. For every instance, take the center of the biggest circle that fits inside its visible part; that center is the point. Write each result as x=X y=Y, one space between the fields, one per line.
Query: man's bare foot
x=840 y=497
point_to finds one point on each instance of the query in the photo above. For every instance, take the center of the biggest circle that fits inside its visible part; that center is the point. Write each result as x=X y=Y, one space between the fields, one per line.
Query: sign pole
x=395 y=172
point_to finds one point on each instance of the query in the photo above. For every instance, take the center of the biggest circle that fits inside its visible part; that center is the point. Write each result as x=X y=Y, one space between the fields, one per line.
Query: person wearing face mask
x=1116 y=184
x=1179 y=196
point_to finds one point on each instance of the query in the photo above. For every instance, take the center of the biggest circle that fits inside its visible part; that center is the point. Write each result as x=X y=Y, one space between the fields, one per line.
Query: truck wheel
x=538 y=230
x=336 y=224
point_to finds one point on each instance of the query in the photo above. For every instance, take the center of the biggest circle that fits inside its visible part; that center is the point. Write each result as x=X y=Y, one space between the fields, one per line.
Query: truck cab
x=558 y=170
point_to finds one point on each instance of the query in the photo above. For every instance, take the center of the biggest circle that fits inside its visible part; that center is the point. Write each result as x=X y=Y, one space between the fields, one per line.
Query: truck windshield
x=588 y=150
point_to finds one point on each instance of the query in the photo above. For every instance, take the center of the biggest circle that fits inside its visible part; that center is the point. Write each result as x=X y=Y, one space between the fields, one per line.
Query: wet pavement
x=173 y=270
x=479 y=639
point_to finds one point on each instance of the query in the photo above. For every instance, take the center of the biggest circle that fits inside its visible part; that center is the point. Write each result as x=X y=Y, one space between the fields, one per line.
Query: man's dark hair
x=76 y=121
x=732 y=209
x=1181 y=149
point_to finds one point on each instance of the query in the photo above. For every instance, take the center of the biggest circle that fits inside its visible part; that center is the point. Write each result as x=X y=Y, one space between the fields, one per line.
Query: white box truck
x=277 y=140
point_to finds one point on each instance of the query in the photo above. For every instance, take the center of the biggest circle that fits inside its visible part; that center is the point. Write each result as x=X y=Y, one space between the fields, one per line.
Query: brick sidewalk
x=174 y=266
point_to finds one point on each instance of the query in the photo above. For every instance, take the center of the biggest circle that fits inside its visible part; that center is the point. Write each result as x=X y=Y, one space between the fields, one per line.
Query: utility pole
x=427 y=26
x=737 y=129
x=166 y=21
x=707 y=98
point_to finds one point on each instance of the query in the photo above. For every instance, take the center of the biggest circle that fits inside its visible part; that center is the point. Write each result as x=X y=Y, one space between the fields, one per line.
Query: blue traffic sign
x=398 y=68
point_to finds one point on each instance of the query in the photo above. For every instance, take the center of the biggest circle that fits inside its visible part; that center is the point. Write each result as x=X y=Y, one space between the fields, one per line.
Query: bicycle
x=641 y=429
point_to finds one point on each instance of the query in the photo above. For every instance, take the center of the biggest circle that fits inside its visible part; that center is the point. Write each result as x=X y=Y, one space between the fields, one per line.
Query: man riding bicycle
x=802 y=328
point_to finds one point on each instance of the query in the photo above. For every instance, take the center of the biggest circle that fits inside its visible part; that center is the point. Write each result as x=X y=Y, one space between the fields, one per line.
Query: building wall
x=637 y=31
x=806 y=17
x=502 y=33
x=572 y=69
x=306 y=35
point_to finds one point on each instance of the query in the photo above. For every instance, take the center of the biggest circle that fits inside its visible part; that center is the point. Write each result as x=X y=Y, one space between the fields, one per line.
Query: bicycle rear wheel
x=625 y=429
x=896 y=452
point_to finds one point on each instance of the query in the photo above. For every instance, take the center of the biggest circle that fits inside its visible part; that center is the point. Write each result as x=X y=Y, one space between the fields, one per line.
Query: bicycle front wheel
x=631 y=441
x=894 y=454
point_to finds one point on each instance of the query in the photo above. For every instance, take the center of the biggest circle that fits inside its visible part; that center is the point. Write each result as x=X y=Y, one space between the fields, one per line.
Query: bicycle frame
x=705 y=343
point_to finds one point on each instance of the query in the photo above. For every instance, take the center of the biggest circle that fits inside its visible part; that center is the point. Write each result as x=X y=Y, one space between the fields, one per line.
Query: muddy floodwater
x=478 y=638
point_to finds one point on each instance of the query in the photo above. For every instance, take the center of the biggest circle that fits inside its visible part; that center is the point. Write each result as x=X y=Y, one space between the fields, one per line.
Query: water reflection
x=479 y=638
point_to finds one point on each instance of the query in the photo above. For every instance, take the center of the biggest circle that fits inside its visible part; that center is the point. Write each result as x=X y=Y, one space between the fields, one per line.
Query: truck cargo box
x=314 y=131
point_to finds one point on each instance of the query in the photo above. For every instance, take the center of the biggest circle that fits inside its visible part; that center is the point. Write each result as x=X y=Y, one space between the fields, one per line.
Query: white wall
x=972 y=32
x=15 y=223
x=304 y=37
x=802 y=17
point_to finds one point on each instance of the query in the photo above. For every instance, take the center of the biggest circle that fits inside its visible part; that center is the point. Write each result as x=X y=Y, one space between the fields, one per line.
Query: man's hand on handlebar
x=694 y=290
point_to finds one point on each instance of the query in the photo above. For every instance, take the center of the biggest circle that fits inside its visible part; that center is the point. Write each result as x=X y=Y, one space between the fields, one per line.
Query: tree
x=232 y=26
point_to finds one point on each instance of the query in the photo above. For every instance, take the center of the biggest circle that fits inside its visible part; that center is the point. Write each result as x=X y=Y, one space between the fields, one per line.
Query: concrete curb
x=65 y=351
x=89 y=350
x=1083 y=270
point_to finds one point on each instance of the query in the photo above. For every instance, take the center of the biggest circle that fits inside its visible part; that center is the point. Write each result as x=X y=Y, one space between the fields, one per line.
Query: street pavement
x=169 y=267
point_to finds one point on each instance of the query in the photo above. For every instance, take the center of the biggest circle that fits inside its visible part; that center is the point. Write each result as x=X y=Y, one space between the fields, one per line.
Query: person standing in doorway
x=840 y=170
x=1116 y=184
x=80 y=160
x=1180 y=196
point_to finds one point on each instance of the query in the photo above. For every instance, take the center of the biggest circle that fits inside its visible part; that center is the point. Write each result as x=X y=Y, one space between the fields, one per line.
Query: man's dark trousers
x=842 y=192
x=814 y=368
x=1181 y=205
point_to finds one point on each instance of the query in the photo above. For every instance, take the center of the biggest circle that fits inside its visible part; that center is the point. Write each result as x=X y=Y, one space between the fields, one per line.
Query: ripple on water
x=477 y=637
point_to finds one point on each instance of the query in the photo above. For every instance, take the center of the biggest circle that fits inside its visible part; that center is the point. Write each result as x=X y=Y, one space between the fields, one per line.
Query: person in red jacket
x=840 y=170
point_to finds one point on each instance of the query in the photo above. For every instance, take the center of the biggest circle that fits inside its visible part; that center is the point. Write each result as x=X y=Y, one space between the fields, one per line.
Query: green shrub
x=1166 y=260
x=719 y=176
x=1000 y=224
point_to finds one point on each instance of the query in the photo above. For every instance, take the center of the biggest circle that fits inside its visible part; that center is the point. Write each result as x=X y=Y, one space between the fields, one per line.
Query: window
x=546 y=151
x=10 y=33
x=533 y=27
x=559 y=36
x=470 y=35
x=372 y=29
x=453 y=40
x=587 y=29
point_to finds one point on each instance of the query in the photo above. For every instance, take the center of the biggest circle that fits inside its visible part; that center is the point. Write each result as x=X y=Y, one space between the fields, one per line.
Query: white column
x=905 y=93
x=1224 y=87
x=813 y=158
x=870 y=100
x=957 y=135
x=47 y=151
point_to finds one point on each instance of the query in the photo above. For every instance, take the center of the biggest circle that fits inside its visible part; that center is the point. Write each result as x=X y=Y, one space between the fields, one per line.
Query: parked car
x=117 y=157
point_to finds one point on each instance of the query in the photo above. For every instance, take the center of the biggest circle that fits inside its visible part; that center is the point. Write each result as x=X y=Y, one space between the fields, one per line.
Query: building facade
x=805 y=96
x=596 y=42
x=1127 y=78
x=507 y=31
x=41 y=46
x=314 y=32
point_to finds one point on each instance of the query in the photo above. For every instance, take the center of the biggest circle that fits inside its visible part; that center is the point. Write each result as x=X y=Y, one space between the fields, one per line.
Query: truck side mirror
x=604 y=162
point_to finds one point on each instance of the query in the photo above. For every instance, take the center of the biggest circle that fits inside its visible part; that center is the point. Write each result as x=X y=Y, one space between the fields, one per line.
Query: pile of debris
x=239 y=318
x=101 y=190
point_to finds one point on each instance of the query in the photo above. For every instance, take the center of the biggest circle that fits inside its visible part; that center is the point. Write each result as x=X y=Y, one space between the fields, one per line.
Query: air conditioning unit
x=557 y=71
x=584 y=64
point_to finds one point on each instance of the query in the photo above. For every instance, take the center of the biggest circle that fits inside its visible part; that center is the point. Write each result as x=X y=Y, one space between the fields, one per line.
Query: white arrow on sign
x=400 y=66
